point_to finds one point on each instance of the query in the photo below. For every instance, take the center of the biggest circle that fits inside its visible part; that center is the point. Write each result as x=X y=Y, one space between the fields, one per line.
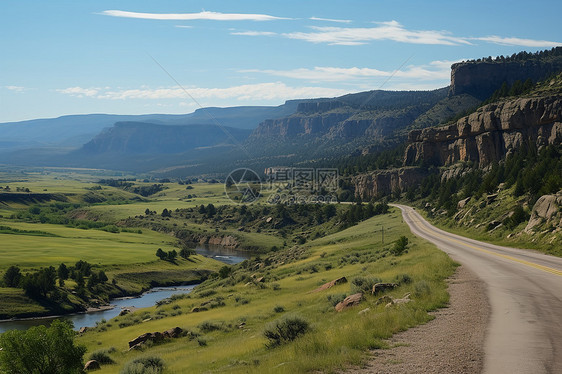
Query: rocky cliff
x=384 y=182
x=366 y=117
x=482 y=78
x=490 y=133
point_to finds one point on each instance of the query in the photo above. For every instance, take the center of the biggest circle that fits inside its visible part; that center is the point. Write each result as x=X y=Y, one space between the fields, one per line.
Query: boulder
x=381 y=287
x=349 y=301
x=176 y=332
x=461 y=204
x=331 y=284
x=364 y=311
x=82 y=330
x=92 y=365
x=544 y=210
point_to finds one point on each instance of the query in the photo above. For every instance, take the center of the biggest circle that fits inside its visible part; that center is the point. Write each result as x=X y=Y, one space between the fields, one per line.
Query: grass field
x=71 y=245
x=335 y=340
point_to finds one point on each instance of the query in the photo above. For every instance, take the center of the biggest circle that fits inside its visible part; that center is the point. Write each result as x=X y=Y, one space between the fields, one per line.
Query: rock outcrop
x=155 y=337
x=546 y=211
x=349 y=301
x=490 y=133
x=384 y=182
x=331 y=284
x=481 y=79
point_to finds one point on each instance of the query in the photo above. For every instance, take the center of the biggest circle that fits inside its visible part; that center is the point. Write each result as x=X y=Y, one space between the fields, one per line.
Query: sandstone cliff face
x=384 y=182
x=490 y=133
x=483 y=78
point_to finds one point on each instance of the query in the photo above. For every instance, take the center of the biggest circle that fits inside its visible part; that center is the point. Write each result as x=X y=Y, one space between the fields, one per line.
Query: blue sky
x=70 y=57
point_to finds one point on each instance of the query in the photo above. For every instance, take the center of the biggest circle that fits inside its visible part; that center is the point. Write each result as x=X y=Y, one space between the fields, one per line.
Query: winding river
x=147 y=299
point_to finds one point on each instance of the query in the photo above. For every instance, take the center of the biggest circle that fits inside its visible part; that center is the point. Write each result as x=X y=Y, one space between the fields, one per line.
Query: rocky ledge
x=490 y=133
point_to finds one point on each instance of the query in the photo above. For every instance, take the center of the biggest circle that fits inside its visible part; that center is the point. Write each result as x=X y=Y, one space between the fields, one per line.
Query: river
x=147 y=299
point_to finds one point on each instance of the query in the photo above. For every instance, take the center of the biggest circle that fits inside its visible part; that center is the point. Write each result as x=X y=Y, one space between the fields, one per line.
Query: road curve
x=524 y=334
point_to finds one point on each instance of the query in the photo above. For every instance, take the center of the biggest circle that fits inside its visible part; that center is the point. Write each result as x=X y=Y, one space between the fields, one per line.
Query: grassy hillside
x=228 y=337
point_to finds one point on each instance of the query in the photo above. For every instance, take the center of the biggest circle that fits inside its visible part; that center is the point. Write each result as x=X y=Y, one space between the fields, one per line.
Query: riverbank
x=124 y=281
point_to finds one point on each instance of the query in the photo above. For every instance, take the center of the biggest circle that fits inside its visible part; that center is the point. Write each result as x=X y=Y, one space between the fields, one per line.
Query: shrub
x=422 y=288
x=337 y=298
x=144 y=365
x=102 y=356
x=208 y=326
x=285 y=330
x=403 y=279
x=400 y=246
x=364 y=284
x=278 y=309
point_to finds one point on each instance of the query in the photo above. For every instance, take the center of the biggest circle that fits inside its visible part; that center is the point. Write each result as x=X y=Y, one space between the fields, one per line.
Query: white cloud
x=16 y=88
x=184 y=27
x=436 y=70
x=79 y=91
x=330 y=20
x=518 y=42
x=383 y=31
x=247 y=92
x=394 y=31
x=205 y=15
x=253 y=33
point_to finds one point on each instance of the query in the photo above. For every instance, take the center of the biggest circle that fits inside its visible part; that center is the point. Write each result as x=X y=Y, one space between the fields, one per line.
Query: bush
x=102 y=356
x=285 y=330
x=403 y=279
x=422 y=288
x=400 y=246
x=364 y=284
x=278 y=309
x=337 y=298
x=41 y=350
x=144 y=365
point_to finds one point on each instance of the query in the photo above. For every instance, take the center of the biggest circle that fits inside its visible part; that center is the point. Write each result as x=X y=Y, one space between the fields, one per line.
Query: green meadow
x=229 y=337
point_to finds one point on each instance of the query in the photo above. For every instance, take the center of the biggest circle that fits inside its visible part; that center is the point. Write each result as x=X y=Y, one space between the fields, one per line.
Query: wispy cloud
x=16 y=88
x=184 y=27
x=254 y=33
x=391 y=30
x=205 y=15
x=247 y=92
x=330 y=20
x=518 y=42
x=79 y=91
x=436 y=70
x=394 y=31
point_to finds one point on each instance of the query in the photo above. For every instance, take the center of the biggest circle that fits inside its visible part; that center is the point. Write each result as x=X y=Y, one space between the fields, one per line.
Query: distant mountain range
x=214 y=140
x=76 y=130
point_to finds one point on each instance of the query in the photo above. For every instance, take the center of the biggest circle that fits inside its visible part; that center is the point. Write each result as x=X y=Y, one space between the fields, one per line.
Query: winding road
x=524 y=334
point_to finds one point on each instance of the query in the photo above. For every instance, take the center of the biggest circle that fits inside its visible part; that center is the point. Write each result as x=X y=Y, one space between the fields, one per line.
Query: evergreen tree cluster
x=531 y=172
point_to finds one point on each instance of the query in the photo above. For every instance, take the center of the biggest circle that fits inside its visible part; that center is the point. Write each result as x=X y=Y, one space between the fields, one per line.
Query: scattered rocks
x=364 y=311
x=349 y=301
x=155 y=337
x=404 y=300
x=384 y=300
x=92 y=365
x=381 y=287
x=331 y=284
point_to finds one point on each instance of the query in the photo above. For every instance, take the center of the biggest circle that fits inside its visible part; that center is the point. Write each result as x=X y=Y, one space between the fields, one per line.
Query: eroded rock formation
x=489 y=134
